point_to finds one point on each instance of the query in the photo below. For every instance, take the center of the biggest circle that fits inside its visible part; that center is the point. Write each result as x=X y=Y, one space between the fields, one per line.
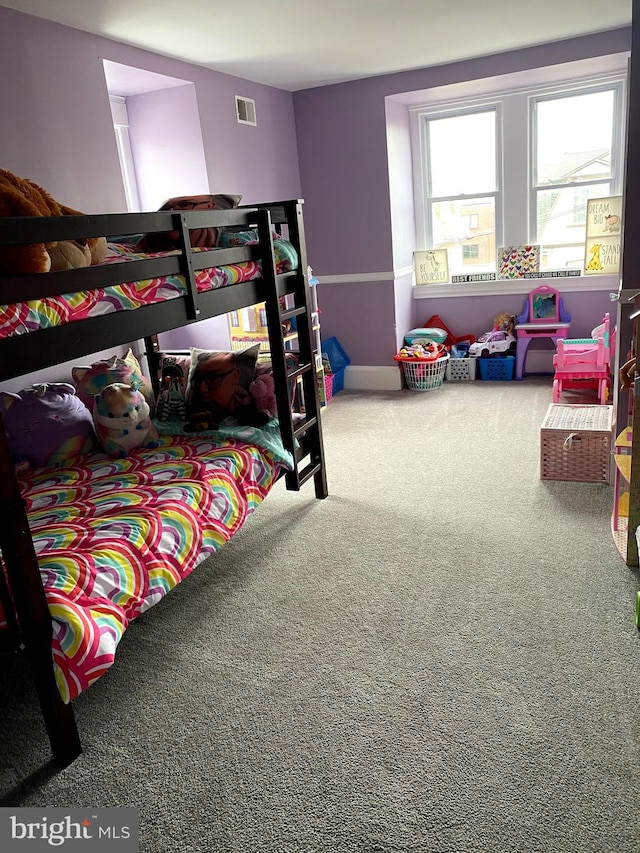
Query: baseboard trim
x=370 y=378
x=362 y=377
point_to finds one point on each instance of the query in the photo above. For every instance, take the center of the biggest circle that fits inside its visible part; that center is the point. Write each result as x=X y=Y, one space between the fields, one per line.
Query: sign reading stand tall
x=604 y=231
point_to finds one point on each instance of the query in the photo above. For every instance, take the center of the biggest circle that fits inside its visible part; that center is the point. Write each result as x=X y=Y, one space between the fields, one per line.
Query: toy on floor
x=583 y=363
x=451 y=339
x=427 y=351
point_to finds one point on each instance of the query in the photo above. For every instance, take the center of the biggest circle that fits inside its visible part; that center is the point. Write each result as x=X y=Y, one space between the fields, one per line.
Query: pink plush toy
x=262 y=389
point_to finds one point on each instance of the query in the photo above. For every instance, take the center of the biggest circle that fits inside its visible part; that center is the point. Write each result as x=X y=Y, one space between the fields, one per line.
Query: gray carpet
x=439 y=657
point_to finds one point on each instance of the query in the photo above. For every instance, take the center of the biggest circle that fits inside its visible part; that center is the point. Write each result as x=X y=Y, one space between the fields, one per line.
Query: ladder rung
x=299 y=371
x=309 y=472
x=304 y=426
x=292 y=312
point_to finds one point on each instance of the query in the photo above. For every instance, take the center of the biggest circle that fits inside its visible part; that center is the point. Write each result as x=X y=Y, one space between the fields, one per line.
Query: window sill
x=570 y=284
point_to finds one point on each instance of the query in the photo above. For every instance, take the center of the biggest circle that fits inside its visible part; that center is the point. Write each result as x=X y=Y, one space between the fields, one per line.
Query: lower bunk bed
x=91 y=539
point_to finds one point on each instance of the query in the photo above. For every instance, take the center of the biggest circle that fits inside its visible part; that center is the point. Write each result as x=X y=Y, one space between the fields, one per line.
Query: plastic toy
x=427 y=351
x=435 y=320
x=495 y=342
x=543 y=316
x=585 y=362
x=429 y=333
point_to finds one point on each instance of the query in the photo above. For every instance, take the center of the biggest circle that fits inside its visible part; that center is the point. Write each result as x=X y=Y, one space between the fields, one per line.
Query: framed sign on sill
x=431 y=266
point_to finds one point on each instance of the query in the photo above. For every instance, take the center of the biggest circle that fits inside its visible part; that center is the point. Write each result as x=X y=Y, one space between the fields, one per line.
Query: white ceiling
x=299 y=44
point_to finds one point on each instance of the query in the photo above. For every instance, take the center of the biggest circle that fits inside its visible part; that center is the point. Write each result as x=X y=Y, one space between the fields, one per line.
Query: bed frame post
x=33 y=617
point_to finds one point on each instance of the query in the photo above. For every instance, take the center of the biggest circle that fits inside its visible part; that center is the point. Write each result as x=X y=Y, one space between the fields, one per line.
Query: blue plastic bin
x=498 y=369
x=338 y=359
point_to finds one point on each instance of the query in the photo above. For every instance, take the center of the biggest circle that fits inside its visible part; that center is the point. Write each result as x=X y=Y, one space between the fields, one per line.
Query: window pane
x=467 y=230
x=561 y=224
x=574 y=138
x=462 y=154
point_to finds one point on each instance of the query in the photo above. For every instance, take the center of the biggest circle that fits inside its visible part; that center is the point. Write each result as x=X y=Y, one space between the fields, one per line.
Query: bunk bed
x=168 y=491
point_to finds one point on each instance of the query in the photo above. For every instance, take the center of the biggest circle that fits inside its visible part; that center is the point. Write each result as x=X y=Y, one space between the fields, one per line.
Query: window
x=574 y=144
x=125 y=154
x=462 y=192
x=515 y=168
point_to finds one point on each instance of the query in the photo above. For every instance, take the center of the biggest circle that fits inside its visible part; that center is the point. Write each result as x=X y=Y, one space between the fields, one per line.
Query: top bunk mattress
x=24 y=317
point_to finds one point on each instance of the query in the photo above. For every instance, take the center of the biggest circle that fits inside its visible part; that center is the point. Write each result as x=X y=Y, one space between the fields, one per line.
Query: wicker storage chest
x=575 y=443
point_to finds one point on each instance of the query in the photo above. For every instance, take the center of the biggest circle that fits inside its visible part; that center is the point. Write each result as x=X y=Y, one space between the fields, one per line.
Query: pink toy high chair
x=585 y=362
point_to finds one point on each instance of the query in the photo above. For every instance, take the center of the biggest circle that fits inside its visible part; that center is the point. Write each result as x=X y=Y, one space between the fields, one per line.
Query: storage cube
x=575 y=443
x=338 y=380
x=496 y=369
x=460 y=369
x=328 y=387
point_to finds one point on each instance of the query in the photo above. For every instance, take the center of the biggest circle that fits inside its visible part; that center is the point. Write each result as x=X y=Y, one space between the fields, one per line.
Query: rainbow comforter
x=52 y=311
x=113 y=536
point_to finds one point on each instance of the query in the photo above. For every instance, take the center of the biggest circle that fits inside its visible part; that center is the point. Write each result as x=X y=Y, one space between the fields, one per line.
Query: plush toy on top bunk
x=121 y=418
x=22 y=197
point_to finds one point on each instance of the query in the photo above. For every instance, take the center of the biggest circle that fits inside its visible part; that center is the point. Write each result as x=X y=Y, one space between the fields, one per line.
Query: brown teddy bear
x=22 y=197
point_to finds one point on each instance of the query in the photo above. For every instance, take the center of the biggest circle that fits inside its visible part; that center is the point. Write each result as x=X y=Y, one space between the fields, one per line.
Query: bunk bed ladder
x=296 y=384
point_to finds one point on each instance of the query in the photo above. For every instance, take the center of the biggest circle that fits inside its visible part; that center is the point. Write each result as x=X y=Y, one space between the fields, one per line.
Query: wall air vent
x=246 y=110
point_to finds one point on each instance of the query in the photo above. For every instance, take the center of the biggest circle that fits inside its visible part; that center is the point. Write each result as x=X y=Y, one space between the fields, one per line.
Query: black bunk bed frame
x=29 y=626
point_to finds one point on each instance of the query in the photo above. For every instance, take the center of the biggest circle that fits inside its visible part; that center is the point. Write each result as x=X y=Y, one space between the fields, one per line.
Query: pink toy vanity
x=543 y=316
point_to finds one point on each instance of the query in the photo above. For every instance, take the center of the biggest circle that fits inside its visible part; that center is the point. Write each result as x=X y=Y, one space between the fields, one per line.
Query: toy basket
x=423 y=374
x=461 y=369
x=496 y=369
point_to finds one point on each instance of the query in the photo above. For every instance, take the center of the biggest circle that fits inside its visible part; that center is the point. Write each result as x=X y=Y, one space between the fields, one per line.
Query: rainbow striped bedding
x=113 y=536
x=52 y=311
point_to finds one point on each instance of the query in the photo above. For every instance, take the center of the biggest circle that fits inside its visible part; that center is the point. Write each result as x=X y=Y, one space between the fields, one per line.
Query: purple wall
x=349 y=214
x=344 y=150
x=57 y=128
x=167 y=165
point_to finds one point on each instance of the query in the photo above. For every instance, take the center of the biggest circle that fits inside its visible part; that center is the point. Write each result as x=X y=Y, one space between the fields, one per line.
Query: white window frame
x=515 y=220
x=423 y=208
x=618 y=120
x=125 y=154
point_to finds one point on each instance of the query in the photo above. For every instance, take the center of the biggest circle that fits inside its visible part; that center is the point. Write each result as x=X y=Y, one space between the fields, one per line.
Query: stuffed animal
x=22 y=197
x=171 y=405
x=46 y=424
x=121 y=418
x=262 y=389
x=627 y=374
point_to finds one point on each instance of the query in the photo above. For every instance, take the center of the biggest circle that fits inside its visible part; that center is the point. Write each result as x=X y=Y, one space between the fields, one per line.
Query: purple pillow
x=47 y=424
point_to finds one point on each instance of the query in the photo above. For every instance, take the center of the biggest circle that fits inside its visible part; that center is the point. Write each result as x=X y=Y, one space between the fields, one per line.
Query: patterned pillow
x=204 y=238
x=47 y=424
x=218 y=387
x=91 y=380
x=285 y=254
